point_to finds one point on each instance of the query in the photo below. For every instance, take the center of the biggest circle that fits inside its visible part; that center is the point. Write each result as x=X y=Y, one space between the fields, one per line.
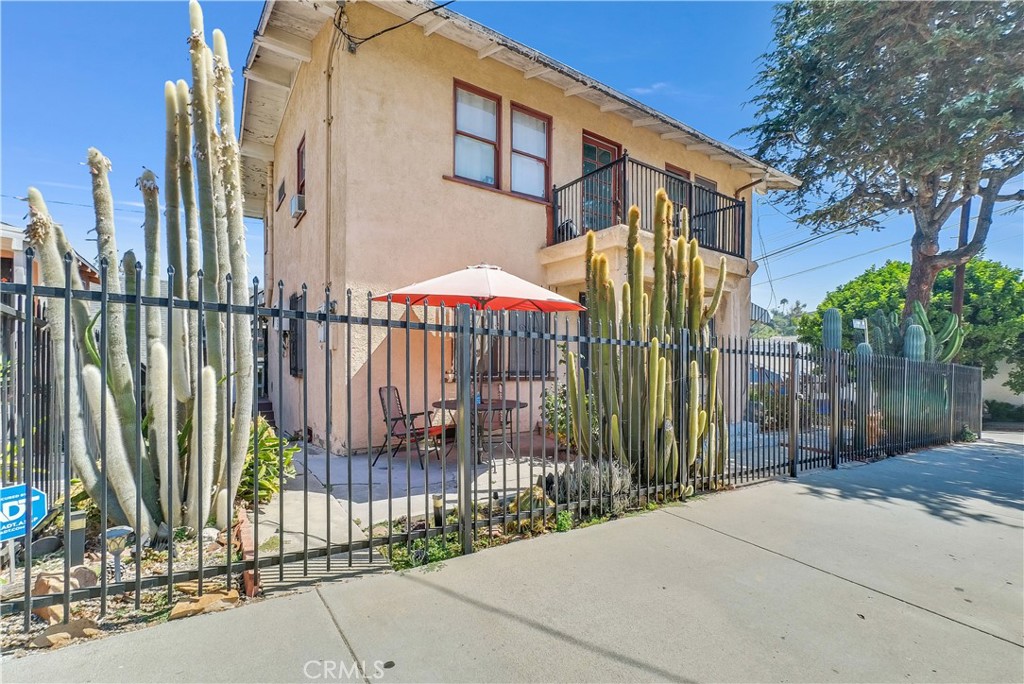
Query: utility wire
x=833 y=232
x=818 y=236
x=74 y=204
x=870 y=251
x=356 y=41
x=767 y=268
x=837 y=261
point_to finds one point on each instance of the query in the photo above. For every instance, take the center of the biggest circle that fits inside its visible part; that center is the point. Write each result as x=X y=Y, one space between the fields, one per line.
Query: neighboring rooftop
x=282 y=43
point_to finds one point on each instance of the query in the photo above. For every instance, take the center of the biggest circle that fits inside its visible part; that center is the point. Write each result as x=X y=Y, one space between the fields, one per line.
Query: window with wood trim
x=678 y=188
x=531 y=152
x=519 y=356
x=300 y=168
x=477 y=134
x=678 y=171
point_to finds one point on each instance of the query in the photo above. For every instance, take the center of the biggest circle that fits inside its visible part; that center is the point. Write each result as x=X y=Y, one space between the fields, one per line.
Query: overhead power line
x=870 y=251
x=75 y=204
x=848 y=226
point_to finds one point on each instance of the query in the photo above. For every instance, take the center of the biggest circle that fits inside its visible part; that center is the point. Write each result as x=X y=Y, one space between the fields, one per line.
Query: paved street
x=904 y=570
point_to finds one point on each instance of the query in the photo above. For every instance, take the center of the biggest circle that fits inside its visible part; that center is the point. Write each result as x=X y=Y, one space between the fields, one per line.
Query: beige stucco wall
x=395 y=218
x=994 y=388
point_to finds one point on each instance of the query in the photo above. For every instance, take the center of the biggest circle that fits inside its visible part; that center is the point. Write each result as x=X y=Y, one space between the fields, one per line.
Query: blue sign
x=14 y=512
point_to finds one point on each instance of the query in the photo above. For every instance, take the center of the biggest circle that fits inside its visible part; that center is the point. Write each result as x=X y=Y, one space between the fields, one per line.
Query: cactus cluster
x=941 y=343
x=182 y=468
x=633 y=386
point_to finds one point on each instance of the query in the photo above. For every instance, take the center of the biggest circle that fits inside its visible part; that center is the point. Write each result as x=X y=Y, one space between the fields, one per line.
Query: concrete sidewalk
x=904 y=570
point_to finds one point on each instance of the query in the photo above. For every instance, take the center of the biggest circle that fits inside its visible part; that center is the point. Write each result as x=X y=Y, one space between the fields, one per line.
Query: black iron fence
x=601 y=199
x=27 y=408
x=413 y=429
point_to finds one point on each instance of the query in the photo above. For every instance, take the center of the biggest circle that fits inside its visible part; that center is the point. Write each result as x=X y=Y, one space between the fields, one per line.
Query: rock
x=58 y=635
x=45 y=545
x=53 y=583
x=190 y=587
x=379 y=532
x=40 y=547
x=210 y=535
x=209 y=602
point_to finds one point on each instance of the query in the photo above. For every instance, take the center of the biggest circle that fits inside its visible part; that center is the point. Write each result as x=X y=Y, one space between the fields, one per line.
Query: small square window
x=280 y=194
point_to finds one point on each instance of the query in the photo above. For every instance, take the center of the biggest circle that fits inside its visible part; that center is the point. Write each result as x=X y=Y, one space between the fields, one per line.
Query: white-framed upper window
x=531 y=135
x=477 y=123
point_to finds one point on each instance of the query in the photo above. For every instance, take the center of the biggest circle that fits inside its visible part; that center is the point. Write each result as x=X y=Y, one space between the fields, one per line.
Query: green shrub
x=268 y=466
x=424 y=551
x=967 y=435
x=1004 y=411
x=563 y=521
x=556 y=415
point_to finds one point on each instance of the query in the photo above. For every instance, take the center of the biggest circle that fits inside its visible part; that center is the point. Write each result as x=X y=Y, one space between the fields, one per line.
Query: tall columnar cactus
x=914 y=343
x=180 y=487
x=863 y=394
x=241 y=336
x=636 y=386
x=832 y=329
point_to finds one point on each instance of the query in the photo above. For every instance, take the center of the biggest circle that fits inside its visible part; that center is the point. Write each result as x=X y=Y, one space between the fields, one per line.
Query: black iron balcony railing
x=601 y=198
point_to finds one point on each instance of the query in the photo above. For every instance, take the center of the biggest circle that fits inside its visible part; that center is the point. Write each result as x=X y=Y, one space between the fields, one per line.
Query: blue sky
x=81 y=74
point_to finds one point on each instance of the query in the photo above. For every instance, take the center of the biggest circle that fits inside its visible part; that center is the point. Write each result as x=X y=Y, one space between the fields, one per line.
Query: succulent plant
x=914 y=343
x=832 y=329
x=184 y=487
x=864 y=394
x=635 y=384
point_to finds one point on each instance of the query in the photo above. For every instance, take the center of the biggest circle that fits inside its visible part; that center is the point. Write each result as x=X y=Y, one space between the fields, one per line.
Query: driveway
x=904 y=570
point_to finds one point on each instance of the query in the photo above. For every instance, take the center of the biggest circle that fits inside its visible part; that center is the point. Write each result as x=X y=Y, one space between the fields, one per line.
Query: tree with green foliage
x=784 y=319
x=993 y=310
x=906 y=107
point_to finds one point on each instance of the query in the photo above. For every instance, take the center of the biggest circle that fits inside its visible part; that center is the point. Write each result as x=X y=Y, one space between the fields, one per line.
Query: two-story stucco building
x=378 y=158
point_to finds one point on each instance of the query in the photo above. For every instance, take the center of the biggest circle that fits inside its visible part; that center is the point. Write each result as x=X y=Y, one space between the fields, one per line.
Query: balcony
x=601 y=198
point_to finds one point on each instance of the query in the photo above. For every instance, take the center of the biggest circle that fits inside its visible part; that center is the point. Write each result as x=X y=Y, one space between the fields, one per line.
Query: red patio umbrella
x=483 y=287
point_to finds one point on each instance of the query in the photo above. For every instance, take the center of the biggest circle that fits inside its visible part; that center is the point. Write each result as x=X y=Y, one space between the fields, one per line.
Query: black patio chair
x=402 y=426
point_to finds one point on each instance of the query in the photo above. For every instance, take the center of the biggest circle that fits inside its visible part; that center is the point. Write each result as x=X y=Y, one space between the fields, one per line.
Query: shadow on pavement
x=539 y=626
x=948 y=482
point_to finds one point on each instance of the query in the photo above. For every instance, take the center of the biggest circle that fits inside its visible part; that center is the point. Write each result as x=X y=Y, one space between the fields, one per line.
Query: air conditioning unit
x=298 y=205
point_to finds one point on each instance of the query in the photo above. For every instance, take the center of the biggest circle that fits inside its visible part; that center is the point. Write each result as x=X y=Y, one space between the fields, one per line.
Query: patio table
x=486 y=406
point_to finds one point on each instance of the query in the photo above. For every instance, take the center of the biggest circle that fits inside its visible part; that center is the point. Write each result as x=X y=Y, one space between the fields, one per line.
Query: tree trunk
x=923 y=250
x=923 y=271
x=926 y=260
